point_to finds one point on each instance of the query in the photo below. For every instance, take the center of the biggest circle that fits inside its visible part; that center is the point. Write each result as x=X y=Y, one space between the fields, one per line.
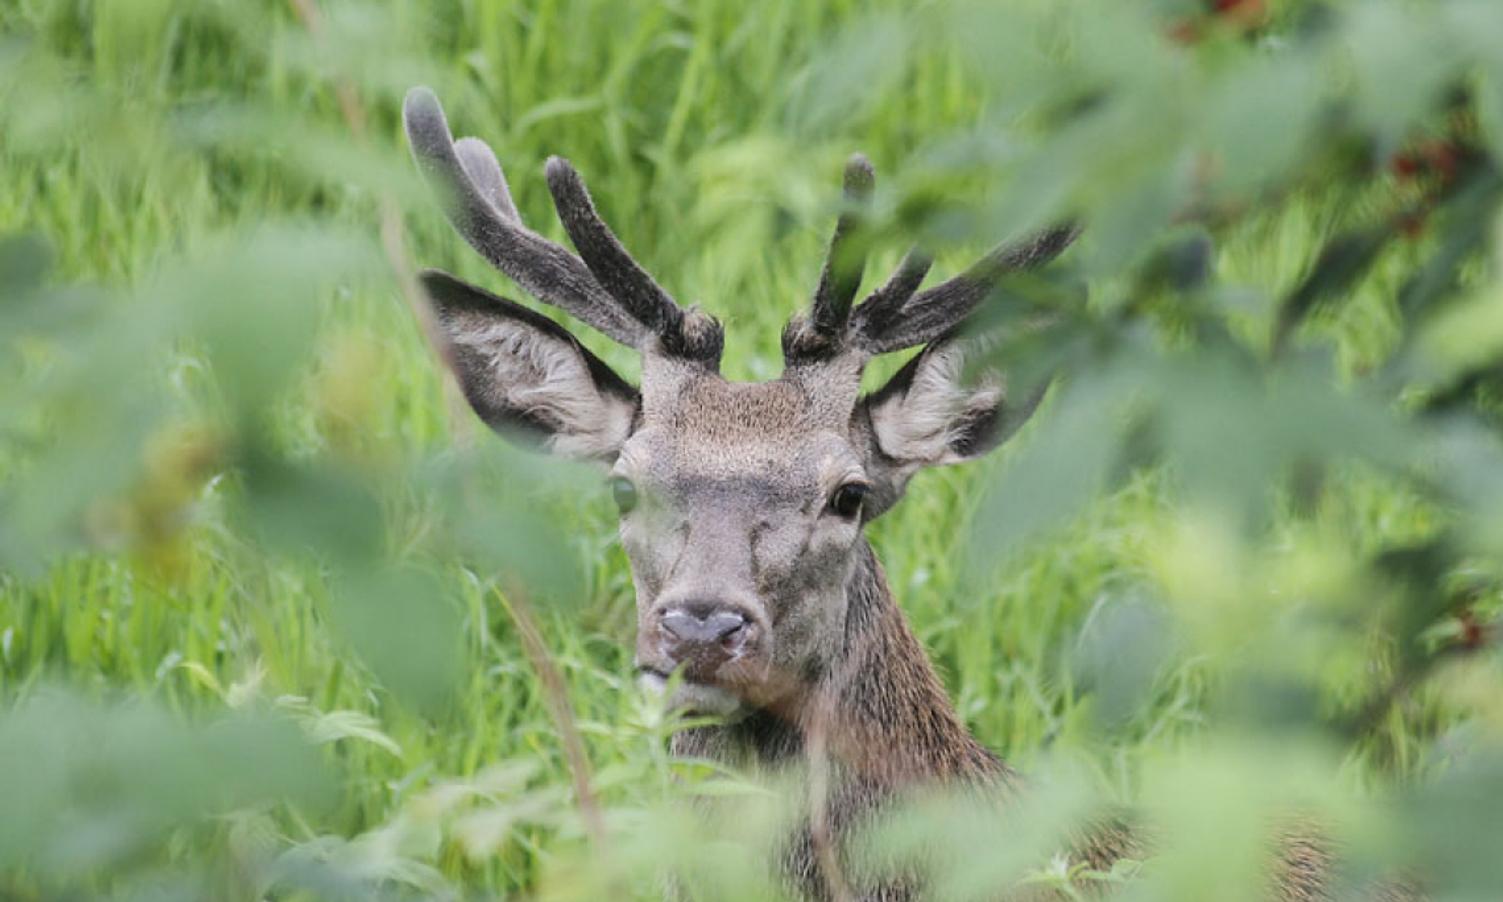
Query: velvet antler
x=607 y=289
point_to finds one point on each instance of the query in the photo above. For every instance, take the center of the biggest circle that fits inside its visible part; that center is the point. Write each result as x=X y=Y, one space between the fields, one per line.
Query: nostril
x=725 y=626
x=680 y=624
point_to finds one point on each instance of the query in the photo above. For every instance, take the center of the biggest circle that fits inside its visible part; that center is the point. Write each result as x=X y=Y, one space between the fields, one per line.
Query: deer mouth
x=690 y=697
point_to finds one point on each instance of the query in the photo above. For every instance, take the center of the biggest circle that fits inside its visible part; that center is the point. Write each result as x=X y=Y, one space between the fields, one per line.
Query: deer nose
x=704 y=636
x=685 y=625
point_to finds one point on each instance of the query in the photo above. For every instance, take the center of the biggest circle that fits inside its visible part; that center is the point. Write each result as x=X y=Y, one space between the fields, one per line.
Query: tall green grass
x=707 y=146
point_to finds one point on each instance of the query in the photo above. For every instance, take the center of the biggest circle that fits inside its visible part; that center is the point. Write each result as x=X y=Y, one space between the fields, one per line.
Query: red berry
x=1246 y=13
x=1412 y=224
x=1405 y=165
x=1184 y=31
x=1473 y=632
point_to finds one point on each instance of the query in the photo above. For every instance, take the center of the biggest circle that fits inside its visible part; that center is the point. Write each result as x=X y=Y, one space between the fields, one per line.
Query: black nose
x=704 y=636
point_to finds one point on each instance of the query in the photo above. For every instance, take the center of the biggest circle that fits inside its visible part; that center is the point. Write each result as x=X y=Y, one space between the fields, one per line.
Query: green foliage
x=260 y=575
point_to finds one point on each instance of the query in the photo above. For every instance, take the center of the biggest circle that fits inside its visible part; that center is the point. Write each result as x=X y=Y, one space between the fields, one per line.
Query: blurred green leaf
x=865 y=60
x=251 y=301
x=1402 y=63
x=1452 y=828
x=1121 y=651
x=321 y=511
x=498 y=518
x=1261 y=117
x=25 y=259
x=1063 y=466
x=404 y=625
x=91 y=786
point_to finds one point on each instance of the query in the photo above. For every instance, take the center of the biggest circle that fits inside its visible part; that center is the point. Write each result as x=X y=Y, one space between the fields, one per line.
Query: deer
x=742 y=505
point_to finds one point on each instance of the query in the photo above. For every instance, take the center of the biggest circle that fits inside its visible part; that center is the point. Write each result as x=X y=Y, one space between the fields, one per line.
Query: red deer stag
x=743 y=504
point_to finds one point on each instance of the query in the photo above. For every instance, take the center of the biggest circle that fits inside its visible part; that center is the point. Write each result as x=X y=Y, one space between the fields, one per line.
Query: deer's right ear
x=527 y=377
x=929 y=414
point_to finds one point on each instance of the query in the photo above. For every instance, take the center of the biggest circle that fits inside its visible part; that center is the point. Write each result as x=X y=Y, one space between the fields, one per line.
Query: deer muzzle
x=702 y=638
x=720 y=649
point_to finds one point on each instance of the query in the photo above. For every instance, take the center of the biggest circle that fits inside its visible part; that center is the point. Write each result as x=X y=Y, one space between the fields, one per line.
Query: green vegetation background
x=143 y=137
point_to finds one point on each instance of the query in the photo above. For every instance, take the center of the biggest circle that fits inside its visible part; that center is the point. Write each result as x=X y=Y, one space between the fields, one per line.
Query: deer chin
x=695 y=699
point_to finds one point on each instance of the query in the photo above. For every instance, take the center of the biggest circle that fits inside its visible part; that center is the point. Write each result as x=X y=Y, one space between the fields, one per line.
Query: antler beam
x=625 y=280
x=891 y=321
x=607 y=290
x=897 y=315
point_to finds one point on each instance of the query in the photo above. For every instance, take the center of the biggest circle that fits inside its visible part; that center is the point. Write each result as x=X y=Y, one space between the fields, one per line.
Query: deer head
x=742 y=504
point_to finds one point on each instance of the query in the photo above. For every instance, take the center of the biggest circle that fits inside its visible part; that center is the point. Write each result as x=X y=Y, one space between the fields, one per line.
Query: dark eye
x=624 y=492
x=846 y=502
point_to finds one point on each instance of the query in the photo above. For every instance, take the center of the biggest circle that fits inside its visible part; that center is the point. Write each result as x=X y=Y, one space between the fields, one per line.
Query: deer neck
x=878 y=716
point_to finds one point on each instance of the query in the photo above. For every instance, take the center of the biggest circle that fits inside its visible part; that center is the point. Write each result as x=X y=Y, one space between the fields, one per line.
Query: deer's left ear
x=929 y=414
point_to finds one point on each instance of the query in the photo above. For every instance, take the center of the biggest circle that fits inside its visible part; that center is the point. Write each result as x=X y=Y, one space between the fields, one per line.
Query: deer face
x=739 y=513
x=741 y=504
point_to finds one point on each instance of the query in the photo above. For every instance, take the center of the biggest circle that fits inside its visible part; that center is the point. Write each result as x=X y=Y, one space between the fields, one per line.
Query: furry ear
x=527 y=377
x=926 y=415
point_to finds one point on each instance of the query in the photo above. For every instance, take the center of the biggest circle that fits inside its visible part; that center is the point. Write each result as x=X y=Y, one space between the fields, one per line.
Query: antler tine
x=878 y=311
x=484 y=171
x=474 y=191
x=823 y=331
x=892 y=326
x=683 y=333
x=846 y=261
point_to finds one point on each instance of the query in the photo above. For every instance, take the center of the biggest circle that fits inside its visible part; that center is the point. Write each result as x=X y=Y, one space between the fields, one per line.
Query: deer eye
x=846 y=502
x=625 y=494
